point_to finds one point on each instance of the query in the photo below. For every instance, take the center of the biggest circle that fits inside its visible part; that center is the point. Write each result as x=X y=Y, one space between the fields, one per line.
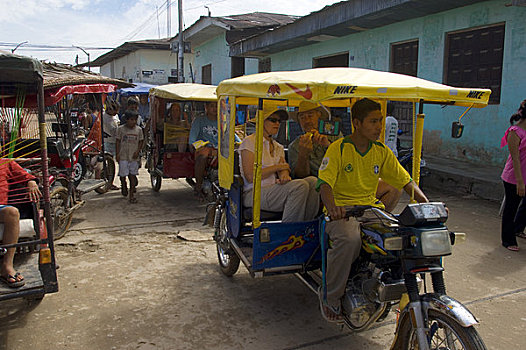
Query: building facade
x=146 y=61
x=466 y=44
x=211 y=37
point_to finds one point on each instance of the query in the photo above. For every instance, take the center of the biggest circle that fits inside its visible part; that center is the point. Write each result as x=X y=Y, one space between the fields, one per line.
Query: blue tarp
x=139 y=89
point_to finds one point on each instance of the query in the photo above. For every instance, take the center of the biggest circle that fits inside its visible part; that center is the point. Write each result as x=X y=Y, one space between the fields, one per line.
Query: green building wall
x=483 y=127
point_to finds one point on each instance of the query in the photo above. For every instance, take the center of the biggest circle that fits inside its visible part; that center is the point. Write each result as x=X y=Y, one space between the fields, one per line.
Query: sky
x=96 y=25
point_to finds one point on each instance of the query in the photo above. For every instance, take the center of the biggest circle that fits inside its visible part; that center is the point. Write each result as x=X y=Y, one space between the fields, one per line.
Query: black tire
x=228 y=260
x=79 y=169
x=156 y=181
x=109 y=176
x=59 y=210
x=465 y=338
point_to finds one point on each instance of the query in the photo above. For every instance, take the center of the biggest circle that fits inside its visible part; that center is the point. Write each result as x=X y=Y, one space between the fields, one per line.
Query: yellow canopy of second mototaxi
x=185 y=92
x=326 y=84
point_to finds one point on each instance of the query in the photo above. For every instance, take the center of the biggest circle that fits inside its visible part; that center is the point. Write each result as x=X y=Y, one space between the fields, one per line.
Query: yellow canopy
x=185 y=92
x=326 y=84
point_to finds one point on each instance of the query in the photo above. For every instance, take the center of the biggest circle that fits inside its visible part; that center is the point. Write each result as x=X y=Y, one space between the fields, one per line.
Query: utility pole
x=180 y=68
x=168 y=19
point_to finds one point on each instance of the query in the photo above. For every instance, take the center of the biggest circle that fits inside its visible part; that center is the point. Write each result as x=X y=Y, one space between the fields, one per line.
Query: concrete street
x=146 y=276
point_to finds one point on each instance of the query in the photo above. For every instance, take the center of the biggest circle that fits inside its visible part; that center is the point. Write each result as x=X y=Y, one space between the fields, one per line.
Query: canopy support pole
x=256 y=190
x=417 y=142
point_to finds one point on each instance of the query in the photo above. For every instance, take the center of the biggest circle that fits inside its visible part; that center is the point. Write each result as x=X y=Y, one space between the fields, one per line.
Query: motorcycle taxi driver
x=348 y=175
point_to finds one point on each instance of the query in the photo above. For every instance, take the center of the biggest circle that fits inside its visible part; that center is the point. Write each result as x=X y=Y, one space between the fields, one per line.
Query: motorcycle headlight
x=436 y=243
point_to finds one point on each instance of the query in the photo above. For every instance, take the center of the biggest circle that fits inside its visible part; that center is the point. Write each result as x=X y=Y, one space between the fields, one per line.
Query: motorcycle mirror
x=457 y=129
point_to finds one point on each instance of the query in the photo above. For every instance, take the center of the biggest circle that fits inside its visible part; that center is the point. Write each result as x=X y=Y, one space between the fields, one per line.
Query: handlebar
x=358 y=211
x=354 y=211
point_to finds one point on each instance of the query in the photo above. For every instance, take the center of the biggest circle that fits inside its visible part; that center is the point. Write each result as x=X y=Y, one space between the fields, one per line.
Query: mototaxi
x=168 y=153
x=267 y=246
x=23 y=118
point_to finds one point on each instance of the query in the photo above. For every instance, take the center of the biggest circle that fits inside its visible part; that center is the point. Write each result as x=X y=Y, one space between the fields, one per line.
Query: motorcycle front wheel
x=109 y=176
x=228 y=260
x=156 y=181
x=60 y=212
x=444 y=333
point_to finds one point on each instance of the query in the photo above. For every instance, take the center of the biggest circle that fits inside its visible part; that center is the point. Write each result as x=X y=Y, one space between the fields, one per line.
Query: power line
x=51 y=47
x=146 y=23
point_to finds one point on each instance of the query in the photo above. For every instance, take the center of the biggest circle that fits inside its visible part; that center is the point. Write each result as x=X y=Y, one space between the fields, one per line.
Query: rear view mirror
x=456 y=130
x=329 y=127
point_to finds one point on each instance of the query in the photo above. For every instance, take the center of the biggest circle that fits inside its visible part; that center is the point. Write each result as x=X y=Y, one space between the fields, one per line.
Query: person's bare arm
x=327 y=197
x=284 y=175
x=513 y=147
x=247 y=162
x=411 y=187
x=302 y=167
x=136 y=153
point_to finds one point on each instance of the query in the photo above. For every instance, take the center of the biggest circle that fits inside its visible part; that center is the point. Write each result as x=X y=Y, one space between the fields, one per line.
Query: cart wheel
x=109 y=176
x=59 y=210
x=228 y=260
x=156 y=180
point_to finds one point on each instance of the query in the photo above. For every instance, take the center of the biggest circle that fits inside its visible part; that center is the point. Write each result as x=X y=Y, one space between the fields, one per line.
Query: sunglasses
x=273 y=120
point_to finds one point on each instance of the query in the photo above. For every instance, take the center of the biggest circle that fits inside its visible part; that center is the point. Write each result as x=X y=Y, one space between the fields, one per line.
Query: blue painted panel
x=290 y=244
x=234 y=208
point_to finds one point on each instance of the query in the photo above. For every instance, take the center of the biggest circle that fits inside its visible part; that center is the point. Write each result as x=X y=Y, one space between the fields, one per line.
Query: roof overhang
x=203 y=30
x=127 y=48
x=338 y=20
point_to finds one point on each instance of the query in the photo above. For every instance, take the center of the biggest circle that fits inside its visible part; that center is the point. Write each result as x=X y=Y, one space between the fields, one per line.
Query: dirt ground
x=146 y=276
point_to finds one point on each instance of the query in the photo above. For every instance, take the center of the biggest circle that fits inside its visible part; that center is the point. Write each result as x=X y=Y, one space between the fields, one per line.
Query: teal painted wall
x=483 y=127
x=214 y=51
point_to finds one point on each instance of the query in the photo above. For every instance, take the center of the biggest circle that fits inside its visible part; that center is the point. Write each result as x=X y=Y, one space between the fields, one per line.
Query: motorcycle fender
x=450 y=307
x=441 y=303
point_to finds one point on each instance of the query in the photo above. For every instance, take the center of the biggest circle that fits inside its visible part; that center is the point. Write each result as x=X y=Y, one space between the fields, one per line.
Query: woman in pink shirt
x=514 y=177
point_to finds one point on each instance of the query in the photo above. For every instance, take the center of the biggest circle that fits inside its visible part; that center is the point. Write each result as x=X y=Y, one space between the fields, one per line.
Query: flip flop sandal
x=513 y=248
x=133 y=200
x=338 y=318
x=16 y=284
x=521 y=235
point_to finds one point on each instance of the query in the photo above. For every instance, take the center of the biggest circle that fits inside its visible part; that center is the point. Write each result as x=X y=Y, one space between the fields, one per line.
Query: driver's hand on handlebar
x=336 y=213
x=33 y=191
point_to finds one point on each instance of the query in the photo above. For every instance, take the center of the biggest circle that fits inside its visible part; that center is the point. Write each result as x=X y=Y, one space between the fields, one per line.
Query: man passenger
x=12 y=173
x=306 y=152
x=348 y=176
x=204 y=129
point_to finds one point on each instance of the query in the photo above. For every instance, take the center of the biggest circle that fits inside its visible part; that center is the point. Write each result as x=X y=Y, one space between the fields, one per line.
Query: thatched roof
x=58 y=74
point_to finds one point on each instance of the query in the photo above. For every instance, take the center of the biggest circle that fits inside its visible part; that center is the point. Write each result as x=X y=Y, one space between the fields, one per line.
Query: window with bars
x=237 y=66
x=264 y=65
x=473 y=58
x=404 y=60
x=206 y=74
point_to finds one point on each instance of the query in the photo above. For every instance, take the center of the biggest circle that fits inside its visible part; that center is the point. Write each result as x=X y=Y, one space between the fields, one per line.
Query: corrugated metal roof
x=257 y=19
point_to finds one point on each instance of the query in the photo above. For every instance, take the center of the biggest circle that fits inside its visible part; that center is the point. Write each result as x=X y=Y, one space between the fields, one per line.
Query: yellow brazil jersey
x=353 y=176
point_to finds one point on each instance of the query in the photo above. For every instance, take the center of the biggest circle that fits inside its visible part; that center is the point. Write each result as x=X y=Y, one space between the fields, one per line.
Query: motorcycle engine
x=358 y=304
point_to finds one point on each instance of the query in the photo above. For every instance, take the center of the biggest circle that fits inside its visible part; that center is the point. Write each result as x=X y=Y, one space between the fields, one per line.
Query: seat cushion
x=264 y=215
x=26 y=229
